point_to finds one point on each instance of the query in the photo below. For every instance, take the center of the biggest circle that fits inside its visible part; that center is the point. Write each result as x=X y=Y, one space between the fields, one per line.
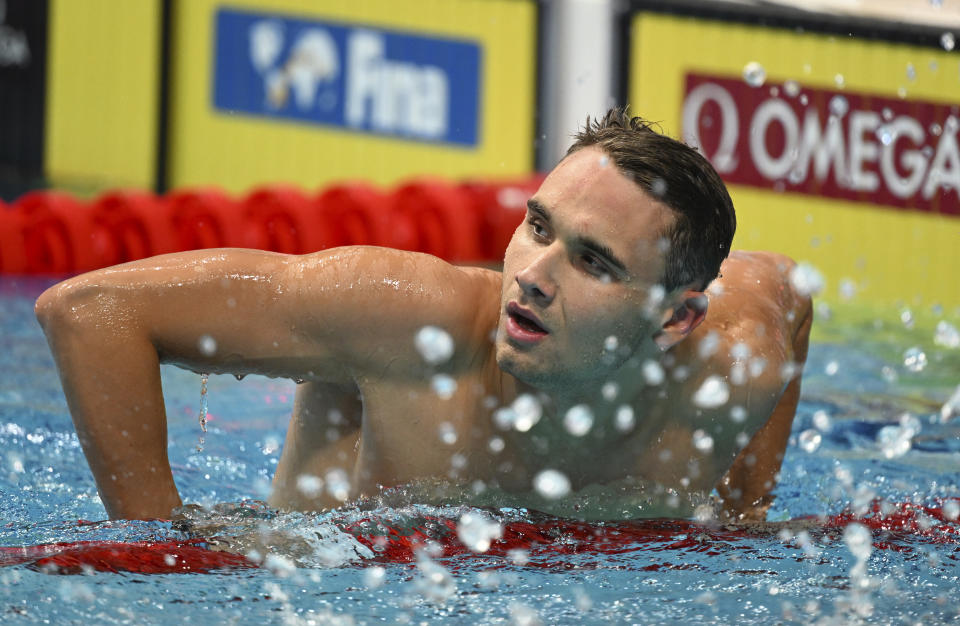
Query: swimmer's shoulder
x=752 y=303
x=754 y=288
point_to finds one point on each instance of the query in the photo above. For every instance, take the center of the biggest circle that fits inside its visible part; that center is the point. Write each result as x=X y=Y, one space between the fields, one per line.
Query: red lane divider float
x=501 y=207
x=13 y=255
x=130 y=225
x=437 y=218
x=204 y=218
x=57 y=233
x=357 y=213
x=48 y=232
x=895 y=526
x=283 y=219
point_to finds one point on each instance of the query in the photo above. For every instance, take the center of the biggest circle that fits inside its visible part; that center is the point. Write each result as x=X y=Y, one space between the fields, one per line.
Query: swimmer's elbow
x=50 y=308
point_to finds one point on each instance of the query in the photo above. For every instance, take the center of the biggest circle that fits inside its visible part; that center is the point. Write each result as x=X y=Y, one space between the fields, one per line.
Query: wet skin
x=582 y=268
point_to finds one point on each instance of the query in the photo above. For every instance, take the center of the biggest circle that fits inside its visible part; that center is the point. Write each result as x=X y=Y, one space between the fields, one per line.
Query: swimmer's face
x=579 y=270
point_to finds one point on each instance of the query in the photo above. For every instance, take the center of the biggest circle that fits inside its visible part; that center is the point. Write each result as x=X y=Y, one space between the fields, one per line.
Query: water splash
x=551 y=484
x=915 y=359
x=946 y=335
x=202 y=418
x=578 y=420
x=806 y=280
x=947 y=41
x=713 y=393
x=754 y=74
x=809 y=440
x=434 y=344
x=477 y=530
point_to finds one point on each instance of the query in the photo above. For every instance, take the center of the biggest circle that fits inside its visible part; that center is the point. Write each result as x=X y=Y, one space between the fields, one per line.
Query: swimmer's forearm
x=111 y=380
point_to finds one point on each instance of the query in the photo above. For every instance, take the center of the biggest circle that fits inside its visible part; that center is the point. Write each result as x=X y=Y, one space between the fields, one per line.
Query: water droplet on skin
x=702 y=441
x=609 y=391
x=791 y=88
x=526 y=412
x=652 y=373
x=713 y=393
x=373 y=577
x=434 y=344
x=806 y=280
x=821 y=421
x=740 y=351
x=443 y=385
x=551 y=484
x=754 y=74
x=914 y=359
x=604 y=160
x=309 y=485
x=738 y=374
x=809 y=440
x=738 y=414
x=946 y=335
x=207 y=345
x=578 y=420
x=448 y=433
x=624 y=419
x=709 y=345
x=477 y=531
x=338 y=484
x=947 y=41
x=757 y=366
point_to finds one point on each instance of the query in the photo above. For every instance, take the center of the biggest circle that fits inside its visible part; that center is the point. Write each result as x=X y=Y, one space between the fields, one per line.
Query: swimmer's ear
x=681 y=321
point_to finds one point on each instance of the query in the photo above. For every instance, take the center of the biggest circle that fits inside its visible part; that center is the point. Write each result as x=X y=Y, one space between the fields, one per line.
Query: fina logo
x=387 y=96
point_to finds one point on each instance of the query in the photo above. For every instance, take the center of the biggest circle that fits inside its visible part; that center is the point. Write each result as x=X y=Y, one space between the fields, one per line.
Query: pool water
x=870 y=445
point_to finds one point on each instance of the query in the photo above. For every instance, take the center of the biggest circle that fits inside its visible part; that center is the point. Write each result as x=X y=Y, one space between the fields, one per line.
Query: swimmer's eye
x=596 y=267
x=539 y=230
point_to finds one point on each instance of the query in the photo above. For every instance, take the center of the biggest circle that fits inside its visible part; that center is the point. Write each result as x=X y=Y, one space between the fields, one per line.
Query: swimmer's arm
x=745 y=488
x=334 y=316
x=323 y=436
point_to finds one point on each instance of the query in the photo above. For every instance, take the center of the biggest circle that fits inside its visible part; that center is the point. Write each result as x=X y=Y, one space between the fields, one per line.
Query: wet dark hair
x=680 y=177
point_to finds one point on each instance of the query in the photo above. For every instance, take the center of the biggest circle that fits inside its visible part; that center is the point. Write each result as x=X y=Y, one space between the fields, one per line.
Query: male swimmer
x=602 y=311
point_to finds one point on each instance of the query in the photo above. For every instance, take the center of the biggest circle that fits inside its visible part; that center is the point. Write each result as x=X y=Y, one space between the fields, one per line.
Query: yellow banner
x=102 y=93
x=309 y=92
x=843 y=154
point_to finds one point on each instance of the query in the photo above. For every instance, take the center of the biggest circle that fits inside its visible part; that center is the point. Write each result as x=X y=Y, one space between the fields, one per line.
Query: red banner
x=839 y=144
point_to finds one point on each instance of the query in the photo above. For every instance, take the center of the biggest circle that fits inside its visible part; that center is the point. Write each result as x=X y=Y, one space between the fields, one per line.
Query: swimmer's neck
x=603 y=398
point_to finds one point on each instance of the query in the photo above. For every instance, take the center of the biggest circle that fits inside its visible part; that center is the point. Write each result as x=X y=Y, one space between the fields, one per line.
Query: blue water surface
x=788 y=577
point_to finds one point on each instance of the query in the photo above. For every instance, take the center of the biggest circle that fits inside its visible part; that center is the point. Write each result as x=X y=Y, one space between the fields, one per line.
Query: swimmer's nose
x=535 y=281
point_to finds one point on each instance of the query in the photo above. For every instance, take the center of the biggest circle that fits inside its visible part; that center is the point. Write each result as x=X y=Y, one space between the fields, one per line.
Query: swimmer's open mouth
x=524 y=319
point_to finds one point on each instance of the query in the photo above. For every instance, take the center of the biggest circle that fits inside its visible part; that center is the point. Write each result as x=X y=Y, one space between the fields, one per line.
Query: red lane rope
x=894 y=527
x=50 y=232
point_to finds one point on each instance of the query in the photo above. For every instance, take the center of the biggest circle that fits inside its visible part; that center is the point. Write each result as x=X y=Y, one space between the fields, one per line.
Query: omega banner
x=840 y=149
x=839 y=144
